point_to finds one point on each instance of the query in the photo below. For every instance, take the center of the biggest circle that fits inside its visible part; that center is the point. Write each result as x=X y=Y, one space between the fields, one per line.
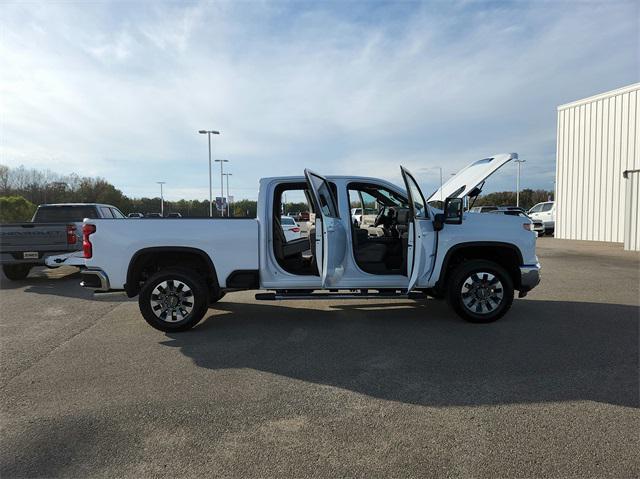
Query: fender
x=470 y=244
x=131 y=287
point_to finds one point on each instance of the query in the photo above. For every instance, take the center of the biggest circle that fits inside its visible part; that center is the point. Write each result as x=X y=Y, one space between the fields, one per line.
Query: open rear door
x=421 y=241
x=331 y=237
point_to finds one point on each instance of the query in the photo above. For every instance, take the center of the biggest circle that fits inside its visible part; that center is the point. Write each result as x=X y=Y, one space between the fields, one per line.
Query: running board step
x=332 y=296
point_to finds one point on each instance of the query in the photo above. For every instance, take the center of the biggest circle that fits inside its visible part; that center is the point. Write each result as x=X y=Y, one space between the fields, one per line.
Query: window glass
x=419 y=205
x=536 y=208
x=57 y=214
x=547 y=207
x=106 y=212
x=393 y=198
x=294 y=205
x=370 y=203
x=287 y=220
x=116 y=213
x=328 y=203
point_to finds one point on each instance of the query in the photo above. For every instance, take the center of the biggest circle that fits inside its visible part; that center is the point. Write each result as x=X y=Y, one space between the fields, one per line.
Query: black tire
x=16 y=272
x=164 y=290
x=490 y=301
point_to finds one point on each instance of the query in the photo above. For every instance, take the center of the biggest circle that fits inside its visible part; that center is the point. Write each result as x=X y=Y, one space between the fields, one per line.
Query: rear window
x=62 y=214
x=285 y=220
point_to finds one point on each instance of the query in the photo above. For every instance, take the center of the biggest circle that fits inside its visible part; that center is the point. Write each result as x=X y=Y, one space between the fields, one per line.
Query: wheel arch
x=506 y=255
x=160 y=257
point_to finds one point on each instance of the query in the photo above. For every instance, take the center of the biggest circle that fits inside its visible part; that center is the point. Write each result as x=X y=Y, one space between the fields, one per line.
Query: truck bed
x=232 y=244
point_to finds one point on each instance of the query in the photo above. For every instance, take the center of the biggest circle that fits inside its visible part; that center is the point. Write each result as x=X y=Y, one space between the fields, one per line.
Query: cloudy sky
x=120 y=89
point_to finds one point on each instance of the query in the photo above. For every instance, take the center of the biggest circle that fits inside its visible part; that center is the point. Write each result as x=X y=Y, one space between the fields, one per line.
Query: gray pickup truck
x=54 y=229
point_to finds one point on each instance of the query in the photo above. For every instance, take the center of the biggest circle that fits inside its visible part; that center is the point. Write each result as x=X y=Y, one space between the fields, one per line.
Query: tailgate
x=34 y=237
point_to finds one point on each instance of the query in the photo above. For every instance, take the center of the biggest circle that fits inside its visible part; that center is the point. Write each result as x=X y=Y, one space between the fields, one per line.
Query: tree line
x=528 y=198
x=22 y=189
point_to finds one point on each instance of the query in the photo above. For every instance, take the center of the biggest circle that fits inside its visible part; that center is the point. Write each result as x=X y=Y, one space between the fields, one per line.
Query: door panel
x=331 y=237
x=421 y=249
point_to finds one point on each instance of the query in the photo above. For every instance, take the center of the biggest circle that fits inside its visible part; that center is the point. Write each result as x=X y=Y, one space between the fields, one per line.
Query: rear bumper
x=95 y=279
x=17 y=257
x=529 y=277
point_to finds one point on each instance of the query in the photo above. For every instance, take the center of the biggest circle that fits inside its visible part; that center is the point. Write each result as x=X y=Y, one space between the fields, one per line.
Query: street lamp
x=228 y=196
x=209 y=133
x=221 y=185
x=161 y=197
x=518 y=182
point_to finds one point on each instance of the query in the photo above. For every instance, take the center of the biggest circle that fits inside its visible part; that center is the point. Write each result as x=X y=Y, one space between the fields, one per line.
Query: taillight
x=71 y=234
x=87 y=248
x=295 y=230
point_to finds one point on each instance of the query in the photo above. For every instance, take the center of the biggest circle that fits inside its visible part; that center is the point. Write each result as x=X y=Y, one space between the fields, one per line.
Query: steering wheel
x=380 y=217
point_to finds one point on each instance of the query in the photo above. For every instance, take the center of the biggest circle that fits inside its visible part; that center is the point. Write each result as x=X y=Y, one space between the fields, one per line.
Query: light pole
x=161 y=197
x=221 y=185
x=518 y=182
x=209 y=133
x=228 y=196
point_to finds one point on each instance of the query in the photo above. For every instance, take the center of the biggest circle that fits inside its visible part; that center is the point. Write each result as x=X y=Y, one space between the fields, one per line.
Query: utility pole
x=161 y=197
x=221 y=185
x=228 y=196
x=518 y=182
x=209 y=133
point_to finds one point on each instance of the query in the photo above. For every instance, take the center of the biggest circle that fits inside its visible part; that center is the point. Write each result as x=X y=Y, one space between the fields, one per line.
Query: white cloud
x=120 y=90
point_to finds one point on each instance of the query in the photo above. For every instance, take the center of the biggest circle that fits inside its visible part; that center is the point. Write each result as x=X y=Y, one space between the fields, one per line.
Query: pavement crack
x=65 y=341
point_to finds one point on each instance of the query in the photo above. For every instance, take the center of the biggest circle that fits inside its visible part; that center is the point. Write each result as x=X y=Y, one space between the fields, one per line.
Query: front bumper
x=529 y=277
x=95 y=279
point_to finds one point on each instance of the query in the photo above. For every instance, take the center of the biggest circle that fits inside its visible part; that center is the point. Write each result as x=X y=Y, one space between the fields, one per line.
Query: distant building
x=598 y=168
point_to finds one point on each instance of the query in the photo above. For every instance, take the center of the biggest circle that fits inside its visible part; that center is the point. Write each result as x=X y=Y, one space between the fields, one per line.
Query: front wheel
x=16 y=272
x=174 y=300
x=480 y=291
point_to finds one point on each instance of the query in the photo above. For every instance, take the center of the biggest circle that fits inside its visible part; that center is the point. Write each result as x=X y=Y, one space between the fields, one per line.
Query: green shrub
x=15 y=209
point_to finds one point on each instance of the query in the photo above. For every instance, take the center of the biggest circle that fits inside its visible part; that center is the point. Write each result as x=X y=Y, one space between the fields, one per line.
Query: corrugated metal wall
x=598 y=139
x=632 y=211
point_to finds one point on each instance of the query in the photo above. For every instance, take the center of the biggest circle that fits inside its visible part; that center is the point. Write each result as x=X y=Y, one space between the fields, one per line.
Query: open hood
x=471 y=176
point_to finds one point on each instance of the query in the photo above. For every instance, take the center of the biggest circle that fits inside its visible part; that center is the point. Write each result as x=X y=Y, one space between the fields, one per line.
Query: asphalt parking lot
x=352 y=388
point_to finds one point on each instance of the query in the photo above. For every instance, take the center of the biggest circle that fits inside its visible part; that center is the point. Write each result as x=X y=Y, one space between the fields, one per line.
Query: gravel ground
x=353 y=388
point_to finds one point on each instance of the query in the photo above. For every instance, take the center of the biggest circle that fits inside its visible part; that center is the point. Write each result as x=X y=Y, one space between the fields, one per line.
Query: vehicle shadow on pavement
x=541 y=351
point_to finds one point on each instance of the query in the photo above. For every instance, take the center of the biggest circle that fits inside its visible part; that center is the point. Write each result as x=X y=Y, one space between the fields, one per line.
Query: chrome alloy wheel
x=482 y=293
x=171 y=301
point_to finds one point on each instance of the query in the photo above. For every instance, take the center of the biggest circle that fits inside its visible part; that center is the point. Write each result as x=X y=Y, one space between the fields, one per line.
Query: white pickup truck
x=178 y=268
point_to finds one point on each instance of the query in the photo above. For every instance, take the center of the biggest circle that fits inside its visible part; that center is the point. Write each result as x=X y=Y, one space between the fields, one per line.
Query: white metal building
x=598 y=140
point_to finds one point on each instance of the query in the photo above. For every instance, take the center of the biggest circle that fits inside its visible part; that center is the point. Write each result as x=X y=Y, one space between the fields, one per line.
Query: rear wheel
x=16 y=272
x=480 y=291
x=174 y=300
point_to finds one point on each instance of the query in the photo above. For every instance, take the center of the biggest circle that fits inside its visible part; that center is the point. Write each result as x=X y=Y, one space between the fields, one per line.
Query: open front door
x=331 y=237
x=421 y=241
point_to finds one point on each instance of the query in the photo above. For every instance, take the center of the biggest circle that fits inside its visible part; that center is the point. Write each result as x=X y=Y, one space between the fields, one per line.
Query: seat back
x=279 y=239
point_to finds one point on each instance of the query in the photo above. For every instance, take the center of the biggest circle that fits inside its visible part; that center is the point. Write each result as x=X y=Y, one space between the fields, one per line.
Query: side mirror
x=453 y=208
